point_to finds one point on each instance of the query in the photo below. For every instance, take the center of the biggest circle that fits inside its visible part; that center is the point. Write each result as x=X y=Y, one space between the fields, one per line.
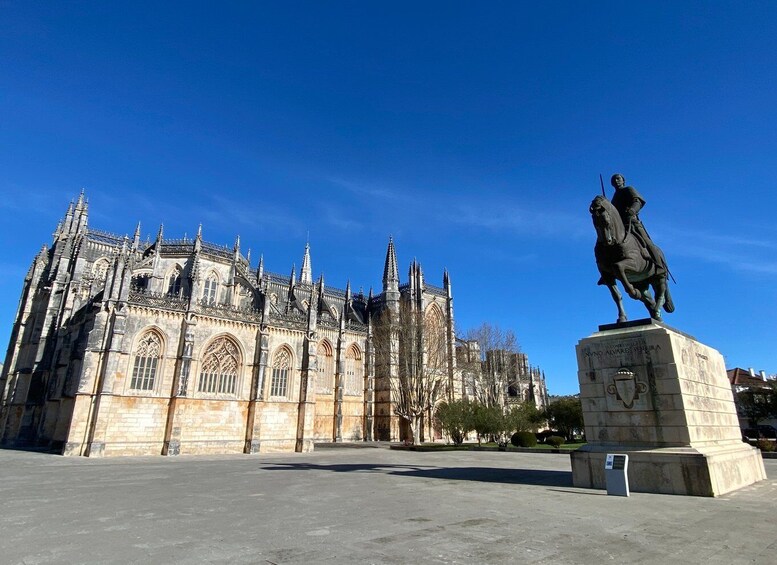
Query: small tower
x=136 y=238
x=81 y=213
x=390 y=271
x=391 y=279
x=306 y=273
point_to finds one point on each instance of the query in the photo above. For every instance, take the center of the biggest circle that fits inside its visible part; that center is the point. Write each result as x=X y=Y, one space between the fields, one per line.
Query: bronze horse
x=621 y=256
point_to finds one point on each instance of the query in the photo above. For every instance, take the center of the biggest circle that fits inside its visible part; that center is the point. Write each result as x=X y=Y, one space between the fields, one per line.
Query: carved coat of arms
x=626 y=387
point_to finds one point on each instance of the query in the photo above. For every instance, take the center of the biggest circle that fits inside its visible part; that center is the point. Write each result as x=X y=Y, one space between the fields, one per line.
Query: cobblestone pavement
x=361 y=506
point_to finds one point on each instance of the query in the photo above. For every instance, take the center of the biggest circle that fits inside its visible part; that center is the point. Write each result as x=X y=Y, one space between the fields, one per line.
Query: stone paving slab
x=361 y=506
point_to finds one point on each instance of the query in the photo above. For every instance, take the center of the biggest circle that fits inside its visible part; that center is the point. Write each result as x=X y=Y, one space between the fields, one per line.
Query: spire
x=291 y=299
x=321 y=302
x=81 y=212
x=312 y=312
x=236 y=249
x=199 y=231
x=248 y=256
x=390 y=272
x=348 y=291
x=260 y=268
x=136 y=238
x=67 y=224
x=159 y=233
x=306 y=273
x=416 y=278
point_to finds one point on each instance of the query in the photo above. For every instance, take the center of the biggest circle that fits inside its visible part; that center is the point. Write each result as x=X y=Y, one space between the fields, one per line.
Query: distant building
x=508 y=374
x=748 y=380
x=741 y=378
x=122 y=346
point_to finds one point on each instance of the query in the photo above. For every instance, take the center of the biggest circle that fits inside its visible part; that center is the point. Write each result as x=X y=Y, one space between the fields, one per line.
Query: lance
x=602 y=183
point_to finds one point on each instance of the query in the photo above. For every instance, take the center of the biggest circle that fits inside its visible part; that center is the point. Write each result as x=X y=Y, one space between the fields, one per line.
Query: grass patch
x=567 y=446
x=489 y=445
x=443 y=446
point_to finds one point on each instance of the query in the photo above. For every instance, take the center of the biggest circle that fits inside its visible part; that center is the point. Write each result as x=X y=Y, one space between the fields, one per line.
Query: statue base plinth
x=664 y=399
x=690 y=472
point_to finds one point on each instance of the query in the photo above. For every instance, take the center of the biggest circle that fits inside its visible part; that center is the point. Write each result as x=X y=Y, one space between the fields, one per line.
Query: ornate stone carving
x=626 y=387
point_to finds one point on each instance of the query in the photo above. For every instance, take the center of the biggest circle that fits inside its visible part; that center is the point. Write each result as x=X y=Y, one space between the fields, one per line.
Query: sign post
x=616 y=474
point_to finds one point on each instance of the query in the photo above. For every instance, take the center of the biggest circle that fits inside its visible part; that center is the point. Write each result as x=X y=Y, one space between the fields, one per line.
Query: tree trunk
x=415 y=423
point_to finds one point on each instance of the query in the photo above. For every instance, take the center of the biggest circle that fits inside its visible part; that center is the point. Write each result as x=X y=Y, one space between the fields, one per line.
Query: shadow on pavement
x=480 y=474
x=31 y=449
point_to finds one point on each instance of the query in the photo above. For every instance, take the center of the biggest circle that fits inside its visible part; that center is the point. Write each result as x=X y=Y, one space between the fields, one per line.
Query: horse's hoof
x=621 y=319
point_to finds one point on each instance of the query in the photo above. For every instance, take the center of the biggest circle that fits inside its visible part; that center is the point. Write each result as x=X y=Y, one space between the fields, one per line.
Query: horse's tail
x=668 y=304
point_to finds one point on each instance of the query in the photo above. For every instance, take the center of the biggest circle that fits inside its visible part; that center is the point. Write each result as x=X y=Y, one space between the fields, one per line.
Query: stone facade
x=500 y=377
x=181 y=346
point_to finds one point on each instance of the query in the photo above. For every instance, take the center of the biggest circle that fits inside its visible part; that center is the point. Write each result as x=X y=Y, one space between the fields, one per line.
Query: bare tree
x=498 y=368
x=413 y=343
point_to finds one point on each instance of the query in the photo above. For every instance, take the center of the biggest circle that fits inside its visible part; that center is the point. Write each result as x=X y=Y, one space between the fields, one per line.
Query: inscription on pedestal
x=620 y=352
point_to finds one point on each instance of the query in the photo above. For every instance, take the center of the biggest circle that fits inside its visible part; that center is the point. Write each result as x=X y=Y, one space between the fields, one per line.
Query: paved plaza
x=361 y=506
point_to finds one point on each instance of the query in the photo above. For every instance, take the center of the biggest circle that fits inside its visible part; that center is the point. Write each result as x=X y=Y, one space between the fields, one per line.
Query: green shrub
x=456 y=418
x=522 y=418
x=523 y=439
x=765 y=445
x=555 y=441
x=488 y=421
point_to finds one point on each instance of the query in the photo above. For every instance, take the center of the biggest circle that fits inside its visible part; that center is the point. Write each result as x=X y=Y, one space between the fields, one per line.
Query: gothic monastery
x=177 y=346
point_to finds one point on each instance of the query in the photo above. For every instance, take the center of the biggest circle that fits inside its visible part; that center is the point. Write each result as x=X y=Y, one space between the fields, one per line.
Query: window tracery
x=354 y=372
x=282 y=363
x=326 y=368
x=220 y=366
x=210 y=290
x=147 y=355
x=100 y=270
x=174 y=282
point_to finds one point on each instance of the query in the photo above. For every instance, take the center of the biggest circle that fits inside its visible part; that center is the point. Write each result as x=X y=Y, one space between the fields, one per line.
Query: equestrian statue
x=624 y=251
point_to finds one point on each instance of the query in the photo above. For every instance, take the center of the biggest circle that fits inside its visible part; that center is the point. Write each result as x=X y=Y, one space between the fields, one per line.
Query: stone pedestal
x=663 y=398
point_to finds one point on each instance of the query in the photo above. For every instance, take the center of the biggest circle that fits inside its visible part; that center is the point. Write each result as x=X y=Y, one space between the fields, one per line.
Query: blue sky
x=474 y=134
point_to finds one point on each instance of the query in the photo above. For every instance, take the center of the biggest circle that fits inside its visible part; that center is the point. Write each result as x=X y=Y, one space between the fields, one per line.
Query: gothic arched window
x=434 y=337
x=147 y=355
x=174 y=282
x=245 y=296
x=210 y=290
x=354 y=371
x=220 y=367
x=100 y=269
x=140 y=282
x=281 y=367
x=326 y=368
